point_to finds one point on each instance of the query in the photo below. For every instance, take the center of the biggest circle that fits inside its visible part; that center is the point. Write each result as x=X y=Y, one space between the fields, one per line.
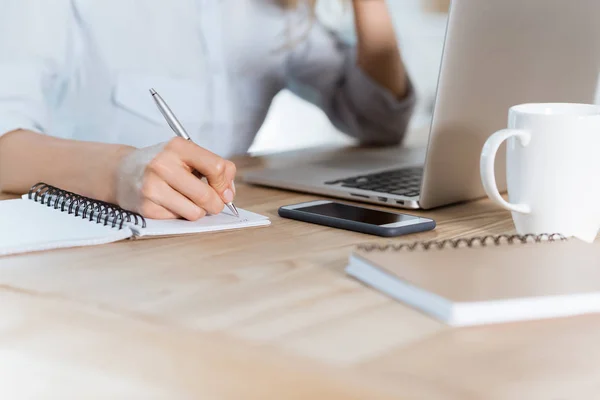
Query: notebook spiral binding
x=477 y=241
x=82 y=206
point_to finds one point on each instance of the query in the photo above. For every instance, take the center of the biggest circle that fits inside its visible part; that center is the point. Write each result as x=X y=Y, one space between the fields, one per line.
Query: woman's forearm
x=378 y=53
x=86 y=168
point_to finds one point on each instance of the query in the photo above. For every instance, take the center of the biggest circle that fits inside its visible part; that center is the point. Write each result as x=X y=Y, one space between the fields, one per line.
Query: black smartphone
x=356 y=218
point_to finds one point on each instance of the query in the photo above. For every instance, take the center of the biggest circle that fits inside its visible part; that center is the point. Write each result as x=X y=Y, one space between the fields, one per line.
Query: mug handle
x=488 y=158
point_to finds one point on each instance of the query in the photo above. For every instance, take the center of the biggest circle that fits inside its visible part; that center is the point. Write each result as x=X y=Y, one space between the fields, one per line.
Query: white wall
x=421 y=39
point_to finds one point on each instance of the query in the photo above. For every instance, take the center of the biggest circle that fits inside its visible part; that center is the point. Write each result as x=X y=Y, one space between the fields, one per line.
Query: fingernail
x=228 y=196
x=233 y=186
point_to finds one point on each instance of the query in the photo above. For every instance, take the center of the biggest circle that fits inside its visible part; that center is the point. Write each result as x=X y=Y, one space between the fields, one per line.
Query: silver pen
x=179 y=130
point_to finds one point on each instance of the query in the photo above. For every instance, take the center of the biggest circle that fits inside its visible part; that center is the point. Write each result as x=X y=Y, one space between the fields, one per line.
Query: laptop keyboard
x=403 y=182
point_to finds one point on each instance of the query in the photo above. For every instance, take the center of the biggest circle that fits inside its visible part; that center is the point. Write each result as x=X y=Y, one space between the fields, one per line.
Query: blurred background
x=420 y=28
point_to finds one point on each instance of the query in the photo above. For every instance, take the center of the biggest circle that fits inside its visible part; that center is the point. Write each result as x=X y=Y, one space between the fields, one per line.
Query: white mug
x=552 y=168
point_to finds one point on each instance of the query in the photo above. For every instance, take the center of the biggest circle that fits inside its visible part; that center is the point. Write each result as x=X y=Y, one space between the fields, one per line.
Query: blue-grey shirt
x=82 y=69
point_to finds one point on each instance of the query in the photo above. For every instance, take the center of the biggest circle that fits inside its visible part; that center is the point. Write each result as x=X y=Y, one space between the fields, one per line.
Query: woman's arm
x=157 y=181
x=378 y=53
x=85 y=168
x=364 y=89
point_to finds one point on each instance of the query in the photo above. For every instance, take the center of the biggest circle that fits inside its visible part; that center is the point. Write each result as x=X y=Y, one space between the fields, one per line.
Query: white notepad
x=36 y=223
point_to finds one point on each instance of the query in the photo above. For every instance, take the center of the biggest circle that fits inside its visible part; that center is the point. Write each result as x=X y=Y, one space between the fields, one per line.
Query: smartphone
x=357 y=218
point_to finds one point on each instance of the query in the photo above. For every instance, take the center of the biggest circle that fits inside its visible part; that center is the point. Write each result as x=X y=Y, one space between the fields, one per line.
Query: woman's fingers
x=218 y=172
x=156 y=191
x=178 y=176
x=159 y=181
x=152 y=210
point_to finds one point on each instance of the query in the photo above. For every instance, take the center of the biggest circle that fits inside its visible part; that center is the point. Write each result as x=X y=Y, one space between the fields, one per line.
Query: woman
x=75 y=111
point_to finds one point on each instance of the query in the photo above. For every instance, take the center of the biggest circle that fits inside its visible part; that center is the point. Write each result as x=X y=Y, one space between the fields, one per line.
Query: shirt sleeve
x=322 y=69
x=34 y=40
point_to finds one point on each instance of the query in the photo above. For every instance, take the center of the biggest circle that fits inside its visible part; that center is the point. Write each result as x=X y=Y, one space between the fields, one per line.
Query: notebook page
x=209 y=223
x=27 y=226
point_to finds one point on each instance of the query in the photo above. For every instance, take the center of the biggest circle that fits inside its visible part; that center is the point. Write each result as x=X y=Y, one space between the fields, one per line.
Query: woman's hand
x=159 y=182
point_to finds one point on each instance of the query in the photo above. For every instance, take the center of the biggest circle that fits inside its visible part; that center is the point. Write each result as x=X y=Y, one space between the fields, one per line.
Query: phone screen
x=358 y=214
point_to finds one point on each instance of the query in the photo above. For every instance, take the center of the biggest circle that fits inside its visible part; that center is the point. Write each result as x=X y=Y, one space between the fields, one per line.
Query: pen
x=179 y=130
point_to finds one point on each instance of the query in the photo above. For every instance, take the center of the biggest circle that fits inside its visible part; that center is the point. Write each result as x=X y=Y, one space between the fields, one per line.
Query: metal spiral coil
x=478 y=241
x=80 y=206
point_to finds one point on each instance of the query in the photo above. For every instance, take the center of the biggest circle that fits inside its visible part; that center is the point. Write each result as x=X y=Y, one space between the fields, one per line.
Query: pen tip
x=152 y=92
x=233 y=209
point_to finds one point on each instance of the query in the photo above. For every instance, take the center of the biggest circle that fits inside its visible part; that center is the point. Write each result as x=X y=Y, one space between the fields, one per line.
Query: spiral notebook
x=49 y=218
x=486 y=280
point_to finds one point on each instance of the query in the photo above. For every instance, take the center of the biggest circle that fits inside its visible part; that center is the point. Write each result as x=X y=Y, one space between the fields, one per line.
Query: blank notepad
x=49 y=218
x=210 y=223
x=29 y=226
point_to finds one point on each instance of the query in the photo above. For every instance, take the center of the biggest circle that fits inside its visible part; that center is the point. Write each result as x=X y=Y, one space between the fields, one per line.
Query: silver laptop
x=497 y=53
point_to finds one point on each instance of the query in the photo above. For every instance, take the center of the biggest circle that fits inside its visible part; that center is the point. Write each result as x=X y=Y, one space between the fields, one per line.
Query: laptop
x=497 y=53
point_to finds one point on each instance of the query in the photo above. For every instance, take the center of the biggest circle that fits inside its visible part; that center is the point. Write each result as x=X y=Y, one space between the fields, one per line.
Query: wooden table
x=266 y=313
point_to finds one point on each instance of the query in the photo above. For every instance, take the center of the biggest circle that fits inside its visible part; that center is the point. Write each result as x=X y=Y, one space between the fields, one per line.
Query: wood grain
x=52 y=348
x=275 y=293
